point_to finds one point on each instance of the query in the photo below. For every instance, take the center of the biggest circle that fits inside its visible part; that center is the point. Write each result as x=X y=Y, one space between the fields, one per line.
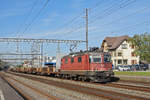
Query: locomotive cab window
x=79 y=59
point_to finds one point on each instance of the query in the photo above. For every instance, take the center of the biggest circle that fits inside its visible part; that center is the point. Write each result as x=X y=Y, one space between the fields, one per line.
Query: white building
x=49 y=59
x=121 y=50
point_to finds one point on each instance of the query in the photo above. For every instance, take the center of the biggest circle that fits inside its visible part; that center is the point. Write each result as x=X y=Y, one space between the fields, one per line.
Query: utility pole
x=86 y=28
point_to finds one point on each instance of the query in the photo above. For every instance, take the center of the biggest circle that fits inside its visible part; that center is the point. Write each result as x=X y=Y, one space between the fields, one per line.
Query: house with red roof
x=122 y=52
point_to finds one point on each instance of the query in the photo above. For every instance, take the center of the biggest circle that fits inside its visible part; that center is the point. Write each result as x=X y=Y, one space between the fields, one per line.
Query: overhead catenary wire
x=80 y=15
x=131 y=26
x=104 y=11
x=27 y=17
x=37 y=15
x=76 y=22
x=71 y=22
x=98 y=9
x=108 y=11
x=128 y=27
x=70 y=26
x=98 y=4
x=127 y=3
x=123 y=4
x=80 y=26
x=124 y=17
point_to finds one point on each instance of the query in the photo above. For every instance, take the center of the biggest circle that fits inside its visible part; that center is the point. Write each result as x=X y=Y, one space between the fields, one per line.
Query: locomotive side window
x=66 y=60
x=79 y=59
x=72 y=60
x=96 y=60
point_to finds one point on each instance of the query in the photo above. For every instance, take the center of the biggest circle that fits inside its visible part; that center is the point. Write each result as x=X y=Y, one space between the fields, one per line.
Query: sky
x=65 y=19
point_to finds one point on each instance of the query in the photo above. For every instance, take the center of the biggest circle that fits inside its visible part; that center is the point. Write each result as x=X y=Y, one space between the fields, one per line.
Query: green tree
x=142 y=46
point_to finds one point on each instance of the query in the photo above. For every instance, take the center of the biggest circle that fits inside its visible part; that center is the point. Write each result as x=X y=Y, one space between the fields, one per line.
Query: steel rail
x=82 y=89
x=24 y=96
x=34 y=89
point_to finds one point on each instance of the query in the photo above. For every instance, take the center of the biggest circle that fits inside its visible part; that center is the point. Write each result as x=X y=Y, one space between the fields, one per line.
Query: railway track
x=91 y=91
x=9 y=79
x=25 y=97
x=136 y=82
x=130 y=87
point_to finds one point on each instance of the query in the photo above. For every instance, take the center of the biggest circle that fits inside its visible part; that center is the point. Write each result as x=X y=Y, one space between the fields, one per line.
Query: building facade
x=122 y=52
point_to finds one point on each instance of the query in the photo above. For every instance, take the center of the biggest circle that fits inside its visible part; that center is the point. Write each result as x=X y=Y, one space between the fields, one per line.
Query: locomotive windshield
x=107 y=58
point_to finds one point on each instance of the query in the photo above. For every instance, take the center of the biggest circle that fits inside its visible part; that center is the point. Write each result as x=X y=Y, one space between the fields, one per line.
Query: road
x=7 y=92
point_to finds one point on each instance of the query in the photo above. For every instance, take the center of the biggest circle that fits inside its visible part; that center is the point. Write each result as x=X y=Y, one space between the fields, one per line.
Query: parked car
x=136 y=67
x=123 y=68
x=144 y=67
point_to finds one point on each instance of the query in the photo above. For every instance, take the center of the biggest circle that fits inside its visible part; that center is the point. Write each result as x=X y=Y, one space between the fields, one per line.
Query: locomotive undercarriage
x=93 y=76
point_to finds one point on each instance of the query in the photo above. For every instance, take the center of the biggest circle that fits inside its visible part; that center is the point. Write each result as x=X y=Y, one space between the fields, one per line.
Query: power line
x=70 y=22
x=80 y=26
x=126 y=16
x=107 y=9
x=127 y=3
x=80 y=15
x=130 y=26
x=121 y=5
x=37 y=15
x=74 y=20
x=27 y=17
x=97 y=5
x=141 y=23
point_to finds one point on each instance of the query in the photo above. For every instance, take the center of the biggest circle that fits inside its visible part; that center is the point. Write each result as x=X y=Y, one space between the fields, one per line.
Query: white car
x=123 y=68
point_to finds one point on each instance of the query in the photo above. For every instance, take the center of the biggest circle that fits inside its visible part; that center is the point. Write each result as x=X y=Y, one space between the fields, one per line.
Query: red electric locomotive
x=94 y=66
